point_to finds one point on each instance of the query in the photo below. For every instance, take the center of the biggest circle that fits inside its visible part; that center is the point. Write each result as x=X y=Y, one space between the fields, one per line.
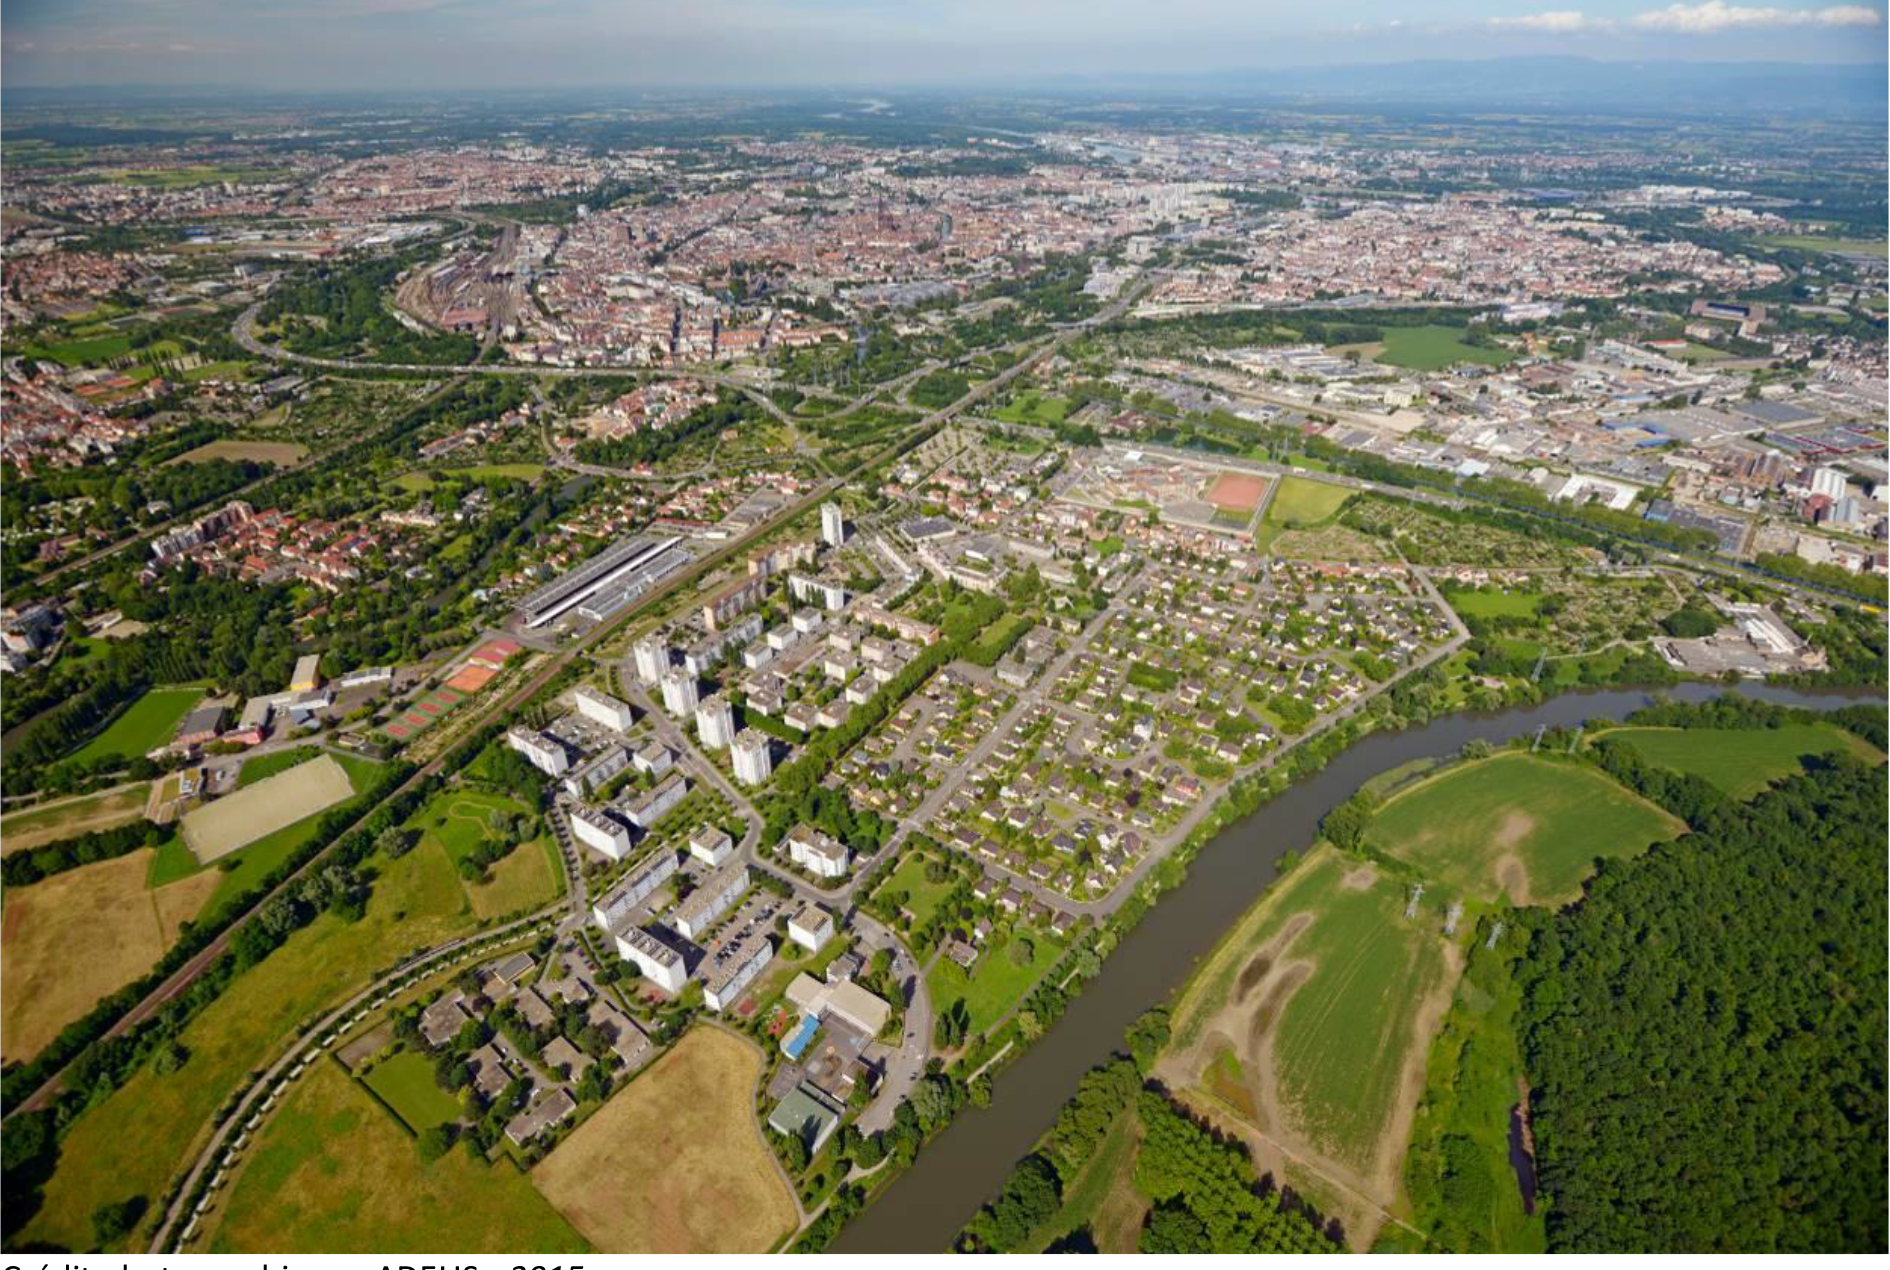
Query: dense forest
x=1705 y=1032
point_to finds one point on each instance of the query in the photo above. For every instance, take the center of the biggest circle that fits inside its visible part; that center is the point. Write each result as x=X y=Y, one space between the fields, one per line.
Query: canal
x=964 y=1166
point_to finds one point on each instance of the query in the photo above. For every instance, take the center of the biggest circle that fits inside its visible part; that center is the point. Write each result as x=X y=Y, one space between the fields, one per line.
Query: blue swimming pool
x=793 y=1045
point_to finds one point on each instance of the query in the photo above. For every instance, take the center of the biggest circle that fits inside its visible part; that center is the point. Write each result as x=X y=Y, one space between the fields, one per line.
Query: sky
x=432 y=44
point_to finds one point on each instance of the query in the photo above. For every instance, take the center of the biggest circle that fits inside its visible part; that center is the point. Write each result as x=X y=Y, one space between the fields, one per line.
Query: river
x=962 y=1168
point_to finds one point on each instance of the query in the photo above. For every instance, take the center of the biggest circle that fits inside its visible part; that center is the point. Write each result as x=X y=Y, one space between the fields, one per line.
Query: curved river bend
x=962 y=1168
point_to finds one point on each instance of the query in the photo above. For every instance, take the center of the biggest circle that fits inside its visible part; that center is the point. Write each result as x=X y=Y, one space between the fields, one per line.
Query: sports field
x=1299 y=501
x=675 y=1162
x=24 y=830
x=1435 y=347
x=131 y=1142
x=333 y=1173
x=1742 y=762
x=71 y=940
x=1516 y=825
x=236 y=820
x=1239 y=492
x=1306 y=1029
x=145 y=724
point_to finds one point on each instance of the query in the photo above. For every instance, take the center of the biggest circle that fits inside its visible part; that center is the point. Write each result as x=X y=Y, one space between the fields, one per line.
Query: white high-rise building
x=1829 y=481
x=652 y=656
x=833 y=525
x=660 y=964
x=754 y=761
x=715 y=722
x=599 y=832
x=547 y=755
x=681 y=694
x=603 y=708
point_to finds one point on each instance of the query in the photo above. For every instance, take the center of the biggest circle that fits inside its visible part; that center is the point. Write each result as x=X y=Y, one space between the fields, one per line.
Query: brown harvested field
x=276 y=452
x=675 y=1163
x=24 y=830
x=255 y=811
x=1237 y=491
x=75 y=938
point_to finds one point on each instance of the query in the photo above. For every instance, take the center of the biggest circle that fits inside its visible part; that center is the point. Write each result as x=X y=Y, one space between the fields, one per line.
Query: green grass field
x=922 y=897
x=24 y=830
x=1323 y=984
x=405 y=1083
x=1494 y=603
x=131 y=1142
x=996 y=983
x=1807 y=242
x=1300 y=502
x=263 y=766
x=460 y=820
x=248 y=866
x=1033 y=407
x=1516 y=824
x=1741 y=762
x=145 y=724
x=1435 y=347
x=333 y=1173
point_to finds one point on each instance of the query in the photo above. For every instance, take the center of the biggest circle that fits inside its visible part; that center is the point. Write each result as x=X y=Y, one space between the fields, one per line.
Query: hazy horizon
x=430 y=45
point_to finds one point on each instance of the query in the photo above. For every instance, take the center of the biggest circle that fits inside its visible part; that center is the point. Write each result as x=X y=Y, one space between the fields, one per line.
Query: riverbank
x=966 y=1163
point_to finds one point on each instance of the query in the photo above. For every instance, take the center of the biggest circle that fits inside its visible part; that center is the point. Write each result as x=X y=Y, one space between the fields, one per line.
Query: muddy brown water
x=965 y=1165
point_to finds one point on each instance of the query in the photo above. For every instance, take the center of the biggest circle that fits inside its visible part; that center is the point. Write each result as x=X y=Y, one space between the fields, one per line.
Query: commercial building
x=754 y=760
x=608 y=570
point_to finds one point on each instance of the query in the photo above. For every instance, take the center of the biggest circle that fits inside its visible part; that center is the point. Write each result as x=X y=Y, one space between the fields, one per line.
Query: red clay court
x=1237 y=491
x=471 y=678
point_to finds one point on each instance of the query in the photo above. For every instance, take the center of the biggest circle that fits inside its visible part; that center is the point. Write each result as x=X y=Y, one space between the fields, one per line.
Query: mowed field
x=1306 y=1030
x=333 y=1173
x=134 y=1140
x=1300 y=501
x=255 y=811
x=1742 y=762
x=278 y=453
x=1435 y=347
x=675 y=1163
x=24 y=830
x=145 y=724
x=996 y=982
x=1516 y=825
x=405 y=1083
x=69 y=941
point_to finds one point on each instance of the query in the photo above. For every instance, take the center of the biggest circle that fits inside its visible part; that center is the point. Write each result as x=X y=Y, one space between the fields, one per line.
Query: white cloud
x=1553 y=22
x=1712 y=16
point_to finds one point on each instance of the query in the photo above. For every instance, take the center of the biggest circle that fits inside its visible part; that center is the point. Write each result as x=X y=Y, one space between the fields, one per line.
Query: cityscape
x=1139 y=660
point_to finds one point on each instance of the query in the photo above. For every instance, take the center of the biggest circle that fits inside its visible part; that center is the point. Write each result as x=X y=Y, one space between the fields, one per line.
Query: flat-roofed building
x=715 y=722
x=653 y=806
x=729 y=971
x=712 y=845
x=308 y=674
x=654 y=758
x=613 y=910
x=754 y=760
x=544 y=753
x=596 y=771
x=681 y=693
x=603 y=708
x=709 y=901
x=600 y=832
x=844 y=1000
x=819 y=854
x=810 y=926
x=660 y=964
x=652 y=658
